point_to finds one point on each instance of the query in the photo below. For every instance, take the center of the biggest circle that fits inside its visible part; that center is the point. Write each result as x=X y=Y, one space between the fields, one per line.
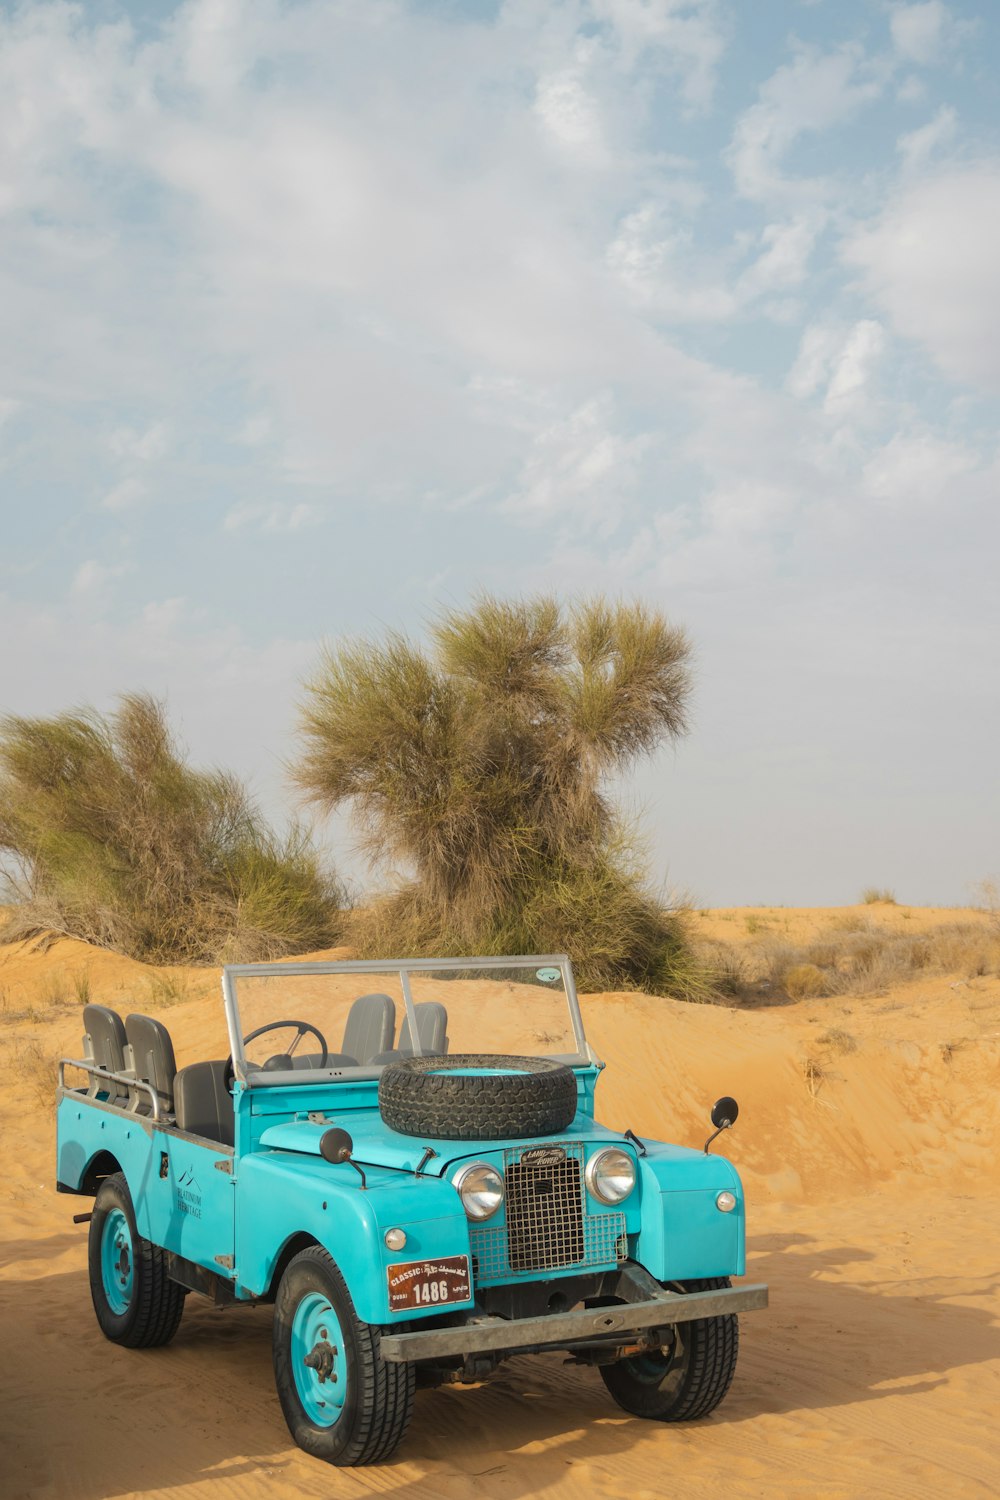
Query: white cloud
x=813 y=93
x=837 y=360
x=124 y=495
x=144 y=447
x=571 y=115
x=786 y=248
x=930 y=262
x=918 y=468
x=917 y=146
x=93 y=577
x=272 y=517
x=580 y=468
x=687 y=37
x=854 y=366
x=918 y=30
x=654 y=256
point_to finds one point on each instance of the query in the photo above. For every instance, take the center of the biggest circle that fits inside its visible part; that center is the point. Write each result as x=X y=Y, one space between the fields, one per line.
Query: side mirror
x=335 y=1145
x=724 y=1112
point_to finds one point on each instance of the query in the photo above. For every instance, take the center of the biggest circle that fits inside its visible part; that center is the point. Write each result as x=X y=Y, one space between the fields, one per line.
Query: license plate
x=421 y=1284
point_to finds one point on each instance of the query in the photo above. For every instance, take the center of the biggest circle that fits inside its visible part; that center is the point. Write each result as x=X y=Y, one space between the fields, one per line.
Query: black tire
x=514 y=1097
x=376 y=1397
x=148 y=1305
x=686 y=1380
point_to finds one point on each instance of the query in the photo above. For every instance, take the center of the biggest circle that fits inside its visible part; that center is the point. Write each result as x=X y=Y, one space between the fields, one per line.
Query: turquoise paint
x=315 y=1326
x=278 y=1187
x=306 y=1195
x=117 y=1266
x=682 y=1235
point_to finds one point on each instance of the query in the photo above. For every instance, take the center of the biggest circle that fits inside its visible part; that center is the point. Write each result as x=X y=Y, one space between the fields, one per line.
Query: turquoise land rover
x=403 y=1158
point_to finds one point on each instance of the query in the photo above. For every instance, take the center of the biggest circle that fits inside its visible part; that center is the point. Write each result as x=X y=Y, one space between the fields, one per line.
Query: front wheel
x=135 y=1301
x=688 y=1377
x=342 y=1402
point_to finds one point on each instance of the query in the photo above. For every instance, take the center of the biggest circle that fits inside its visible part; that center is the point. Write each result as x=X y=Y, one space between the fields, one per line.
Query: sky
x=319 y=317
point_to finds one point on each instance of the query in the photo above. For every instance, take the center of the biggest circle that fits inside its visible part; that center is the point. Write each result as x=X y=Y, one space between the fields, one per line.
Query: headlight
x=611 y=1175
x=480 y=1188
x=725 y=1202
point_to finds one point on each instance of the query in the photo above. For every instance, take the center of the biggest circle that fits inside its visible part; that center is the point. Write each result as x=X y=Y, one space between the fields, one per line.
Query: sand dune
x=868 y=1143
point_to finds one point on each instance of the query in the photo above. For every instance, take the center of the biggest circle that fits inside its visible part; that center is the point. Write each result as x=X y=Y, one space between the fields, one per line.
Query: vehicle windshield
x=347 y=1020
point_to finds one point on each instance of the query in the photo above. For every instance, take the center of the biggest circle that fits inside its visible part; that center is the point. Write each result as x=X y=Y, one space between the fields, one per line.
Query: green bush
x=481 y=765
x=118 y=841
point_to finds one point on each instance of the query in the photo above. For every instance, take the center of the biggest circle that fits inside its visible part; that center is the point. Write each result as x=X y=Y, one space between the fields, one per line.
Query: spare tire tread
x=526 y=1096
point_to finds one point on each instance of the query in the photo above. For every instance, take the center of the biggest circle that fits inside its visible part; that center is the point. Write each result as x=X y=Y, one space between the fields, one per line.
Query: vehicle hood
x=376 y=1145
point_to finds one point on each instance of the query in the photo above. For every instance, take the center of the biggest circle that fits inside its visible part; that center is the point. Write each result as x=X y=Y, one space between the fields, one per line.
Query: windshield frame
x=402 y=968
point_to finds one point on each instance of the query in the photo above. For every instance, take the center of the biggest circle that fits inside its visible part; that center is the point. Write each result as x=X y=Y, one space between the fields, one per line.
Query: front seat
x=432 y=1029
x=371 y=1026
x=203 y=1101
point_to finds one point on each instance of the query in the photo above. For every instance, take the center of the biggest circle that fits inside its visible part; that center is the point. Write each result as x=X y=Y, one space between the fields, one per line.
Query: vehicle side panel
x=181 y=1200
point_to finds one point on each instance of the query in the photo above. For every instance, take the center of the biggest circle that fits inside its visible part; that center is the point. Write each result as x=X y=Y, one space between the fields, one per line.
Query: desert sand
x=868 y=1144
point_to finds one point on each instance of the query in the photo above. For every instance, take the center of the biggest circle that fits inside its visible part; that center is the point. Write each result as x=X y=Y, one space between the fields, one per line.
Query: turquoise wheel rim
x=319 y=1365
x=117 y=1262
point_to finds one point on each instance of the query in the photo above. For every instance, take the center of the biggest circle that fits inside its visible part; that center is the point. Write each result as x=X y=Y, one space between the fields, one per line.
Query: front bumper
x=604 y=1325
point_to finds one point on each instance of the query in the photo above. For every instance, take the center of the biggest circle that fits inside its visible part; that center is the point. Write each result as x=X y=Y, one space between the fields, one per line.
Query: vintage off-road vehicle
x=417 y=1206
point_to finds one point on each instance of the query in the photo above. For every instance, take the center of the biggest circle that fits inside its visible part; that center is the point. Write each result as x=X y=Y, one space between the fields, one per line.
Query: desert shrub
x=874 y=895
x=482 y=764
x=802 y=981
x=855 y=963
x=117 y=840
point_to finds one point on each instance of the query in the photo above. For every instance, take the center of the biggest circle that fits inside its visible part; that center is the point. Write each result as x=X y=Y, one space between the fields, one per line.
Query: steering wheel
x=301 y=1027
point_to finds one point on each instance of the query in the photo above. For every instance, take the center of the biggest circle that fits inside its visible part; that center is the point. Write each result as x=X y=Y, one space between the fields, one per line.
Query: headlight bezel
x=596 y=1181
x=461 y=1185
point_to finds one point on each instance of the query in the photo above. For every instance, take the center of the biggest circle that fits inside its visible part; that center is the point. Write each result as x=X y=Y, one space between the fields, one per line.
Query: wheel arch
x=102 y=1164
x=295 y=1243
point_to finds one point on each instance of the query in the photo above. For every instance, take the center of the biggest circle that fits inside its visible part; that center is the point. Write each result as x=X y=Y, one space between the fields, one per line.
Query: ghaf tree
x=482 y=765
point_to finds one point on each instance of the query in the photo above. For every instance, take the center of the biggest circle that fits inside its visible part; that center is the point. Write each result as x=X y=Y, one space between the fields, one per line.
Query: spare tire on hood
x=477 y=1097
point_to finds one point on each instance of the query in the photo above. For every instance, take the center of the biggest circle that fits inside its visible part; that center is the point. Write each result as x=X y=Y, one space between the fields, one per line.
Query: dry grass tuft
x=802 y=981
x=120 y=842
x=838 y=1040
x=814 y=1074
x=37 y=1068
x=874 y=895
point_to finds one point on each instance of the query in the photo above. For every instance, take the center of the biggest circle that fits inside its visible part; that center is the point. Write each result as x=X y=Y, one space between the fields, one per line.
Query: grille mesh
x=546 y=1225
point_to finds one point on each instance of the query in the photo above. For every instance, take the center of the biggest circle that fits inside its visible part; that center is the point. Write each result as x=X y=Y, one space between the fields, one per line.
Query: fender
x=683 y=1236
x=328 y=1203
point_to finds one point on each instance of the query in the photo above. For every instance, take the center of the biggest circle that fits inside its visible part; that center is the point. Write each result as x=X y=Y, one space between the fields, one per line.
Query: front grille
x=544 y=1214
x=547 y=1228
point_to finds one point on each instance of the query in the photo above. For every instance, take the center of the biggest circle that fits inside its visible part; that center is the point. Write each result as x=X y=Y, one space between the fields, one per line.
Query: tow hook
x=320 y=1358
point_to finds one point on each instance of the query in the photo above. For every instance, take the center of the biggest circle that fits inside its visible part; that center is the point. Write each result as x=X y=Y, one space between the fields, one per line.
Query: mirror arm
x=726 y=1125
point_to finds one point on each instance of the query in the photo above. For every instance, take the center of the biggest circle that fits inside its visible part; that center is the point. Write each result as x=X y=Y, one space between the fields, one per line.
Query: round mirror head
x=335 y=1145
x=724 y=1112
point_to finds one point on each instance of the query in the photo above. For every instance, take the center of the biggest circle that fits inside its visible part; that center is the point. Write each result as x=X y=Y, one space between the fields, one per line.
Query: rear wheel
x=135 y=1301
x=686 y=1378
x=341 y=1400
